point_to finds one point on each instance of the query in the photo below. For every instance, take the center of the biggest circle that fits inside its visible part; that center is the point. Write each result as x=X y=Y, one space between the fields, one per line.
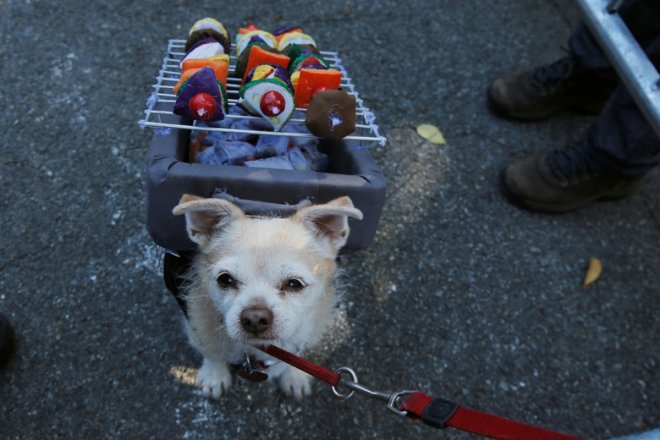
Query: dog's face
x=271 y=279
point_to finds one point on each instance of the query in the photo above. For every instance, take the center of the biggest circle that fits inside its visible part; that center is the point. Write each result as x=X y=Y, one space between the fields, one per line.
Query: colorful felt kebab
x=279 y=72
x=202 y=89
x=266 y=89
x=285 y=70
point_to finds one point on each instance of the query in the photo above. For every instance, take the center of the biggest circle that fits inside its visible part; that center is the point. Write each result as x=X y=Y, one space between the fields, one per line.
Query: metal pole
x=631 y=63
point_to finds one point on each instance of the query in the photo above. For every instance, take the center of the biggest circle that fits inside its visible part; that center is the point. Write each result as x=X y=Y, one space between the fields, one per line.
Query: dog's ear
x=329 y=222
x=205 y=216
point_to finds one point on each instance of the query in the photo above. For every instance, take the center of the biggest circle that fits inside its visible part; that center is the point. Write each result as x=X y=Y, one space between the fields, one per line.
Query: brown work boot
x=544 y=91
x=561 y=181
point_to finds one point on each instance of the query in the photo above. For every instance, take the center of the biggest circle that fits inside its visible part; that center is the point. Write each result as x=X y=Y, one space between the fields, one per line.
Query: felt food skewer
x=330 y=115
x=266 y=88
x=255 y=47
x=317 y=86
x=310 y=72
x=202 y=88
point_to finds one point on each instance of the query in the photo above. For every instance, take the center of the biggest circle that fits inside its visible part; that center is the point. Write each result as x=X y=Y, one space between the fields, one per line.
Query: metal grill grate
x=159 y=105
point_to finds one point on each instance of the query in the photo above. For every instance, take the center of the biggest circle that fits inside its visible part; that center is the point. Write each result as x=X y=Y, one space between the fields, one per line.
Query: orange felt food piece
x=259 y=56
x=220 y=67
x=311 y=81
x=190 y=67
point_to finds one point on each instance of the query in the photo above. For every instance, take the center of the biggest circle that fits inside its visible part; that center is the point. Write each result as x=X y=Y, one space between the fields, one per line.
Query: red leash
x=436 y=412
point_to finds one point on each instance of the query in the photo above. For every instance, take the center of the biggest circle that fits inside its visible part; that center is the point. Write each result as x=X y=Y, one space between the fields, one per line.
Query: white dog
x=260 y=281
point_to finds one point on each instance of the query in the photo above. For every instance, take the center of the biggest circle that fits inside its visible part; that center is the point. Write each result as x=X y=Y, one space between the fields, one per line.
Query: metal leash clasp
x=249 y=371
x=393 y=399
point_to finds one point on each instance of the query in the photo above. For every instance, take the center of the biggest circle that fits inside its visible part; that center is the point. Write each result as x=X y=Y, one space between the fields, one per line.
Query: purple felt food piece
x=284 y=29
x=256 y=39
x=315 y=66
x=203 y=81
x=283 y=74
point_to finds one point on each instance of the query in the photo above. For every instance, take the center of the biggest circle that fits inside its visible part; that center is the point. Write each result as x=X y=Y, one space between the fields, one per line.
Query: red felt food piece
x=312 y=81
x=203 y=106
x=272 y=103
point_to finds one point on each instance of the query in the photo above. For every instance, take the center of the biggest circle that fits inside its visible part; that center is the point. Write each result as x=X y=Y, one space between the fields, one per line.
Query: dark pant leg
x=642 y=17
x=621 y=140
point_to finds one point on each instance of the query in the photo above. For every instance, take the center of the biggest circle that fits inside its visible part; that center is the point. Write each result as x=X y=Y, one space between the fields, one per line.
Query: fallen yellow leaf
x=431 y=133
x=593 y=272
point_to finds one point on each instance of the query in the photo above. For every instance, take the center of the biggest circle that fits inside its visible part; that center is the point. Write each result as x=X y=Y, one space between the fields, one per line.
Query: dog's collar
x=253 y=369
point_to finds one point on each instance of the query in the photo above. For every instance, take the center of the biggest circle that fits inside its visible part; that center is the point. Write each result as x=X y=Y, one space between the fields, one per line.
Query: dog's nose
x=256 y=320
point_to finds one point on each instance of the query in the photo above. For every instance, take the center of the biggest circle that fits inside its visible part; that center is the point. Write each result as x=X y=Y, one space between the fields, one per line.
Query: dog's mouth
x=267 y=337
x=260 y=340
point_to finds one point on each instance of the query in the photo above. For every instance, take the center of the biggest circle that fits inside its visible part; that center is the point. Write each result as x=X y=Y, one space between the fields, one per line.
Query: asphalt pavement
x=461 y=295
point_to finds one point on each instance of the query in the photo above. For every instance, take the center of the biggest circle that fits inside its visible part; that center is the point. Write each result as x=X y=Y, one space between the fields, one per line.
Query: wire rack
x=158 y=113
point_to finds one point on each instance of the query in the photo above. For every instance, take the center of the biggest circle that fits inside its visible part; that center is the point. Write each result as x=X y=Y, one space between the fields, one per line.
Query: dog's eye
x=293 y=285
x=226 y=281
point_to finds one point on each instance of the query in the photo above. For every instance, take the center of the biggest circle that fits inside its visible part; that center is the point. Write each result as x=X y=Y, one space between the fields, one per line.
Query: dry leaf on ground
x=431 y=133
x=593 y=272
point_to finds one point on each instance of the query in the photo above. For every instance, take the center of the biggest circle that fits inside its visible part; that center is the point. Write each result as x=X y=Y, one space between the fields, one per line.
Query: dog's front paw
x=295 y=383
x=213 y=378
